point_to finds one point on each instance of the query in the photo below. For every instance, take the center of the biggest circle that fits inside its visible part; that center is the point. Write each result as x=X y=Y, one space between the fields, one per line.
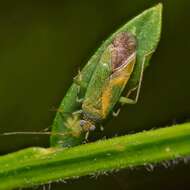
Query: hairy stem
x=34 y=166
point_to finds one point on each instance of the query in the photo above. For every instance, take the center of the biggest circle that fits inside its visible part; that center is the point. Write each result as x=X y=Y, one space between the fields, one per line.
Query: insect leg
x=101 y=128
x=116 y=113
x=79 y=100
x=126 y=100
x=86 y=136
x=78 y=81
x=77 y=112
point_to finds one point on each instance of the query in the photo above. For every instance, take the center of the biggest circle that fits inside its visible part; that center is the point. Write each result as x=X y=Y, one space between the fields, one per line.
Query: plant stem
x=34 y=166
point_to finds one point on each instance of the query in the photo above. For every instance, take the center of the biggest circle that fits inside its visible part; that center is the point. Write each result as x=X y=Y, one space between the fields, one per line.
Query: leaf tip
x=159 y=8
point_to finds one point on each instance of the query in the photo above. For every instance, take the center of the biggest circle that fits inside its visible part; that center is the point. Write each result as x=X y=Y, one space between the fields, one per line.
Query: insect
x=109 y=80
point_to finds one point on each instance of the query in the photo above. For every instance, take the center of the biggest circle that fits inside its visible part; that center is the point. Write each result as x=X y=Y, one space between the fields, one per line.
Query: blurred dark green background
x=42 y=46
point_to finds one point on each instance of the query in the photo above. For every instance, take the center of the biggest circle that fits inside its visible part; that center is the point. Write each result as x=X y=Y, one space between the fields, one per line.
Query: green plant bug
x=109 y=80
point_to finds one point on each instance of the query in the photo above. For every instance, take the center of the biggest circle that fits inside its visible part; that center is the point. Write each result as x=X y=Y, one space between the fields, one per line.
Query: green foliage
x=147 y=28
x=34 y=166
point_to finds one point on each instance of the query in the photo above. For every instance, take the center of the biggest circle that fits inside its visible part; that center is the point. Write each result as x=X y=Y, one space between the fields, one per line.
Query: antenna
x=33 y=133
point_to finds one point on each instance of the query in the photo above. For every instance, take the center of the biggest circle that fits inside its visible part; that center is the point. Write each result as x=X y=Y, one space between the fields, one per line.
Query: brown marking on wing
x=106 y=97
x=123 y=46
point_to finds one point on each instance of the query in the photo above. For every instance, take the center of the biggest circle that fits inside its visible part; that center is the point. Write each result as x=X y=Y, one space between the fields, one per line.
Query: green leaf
x=147 y=28
x=34 y=166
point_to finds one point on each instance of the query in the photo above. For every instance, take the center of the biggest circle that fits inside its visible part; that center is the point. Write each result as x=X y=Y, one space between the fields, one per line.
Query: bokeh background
x=42 y=46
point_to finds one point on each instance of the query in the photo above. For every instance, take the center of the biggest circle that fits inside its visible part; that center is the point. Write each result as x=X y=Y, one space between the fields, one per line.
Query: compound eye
x=92 y=127
x=82 y=123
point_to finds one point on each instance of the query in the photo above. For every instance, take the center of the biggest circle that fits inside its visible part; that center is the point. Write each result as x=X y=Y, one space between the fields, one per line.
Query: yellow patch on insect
x=106 y=101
